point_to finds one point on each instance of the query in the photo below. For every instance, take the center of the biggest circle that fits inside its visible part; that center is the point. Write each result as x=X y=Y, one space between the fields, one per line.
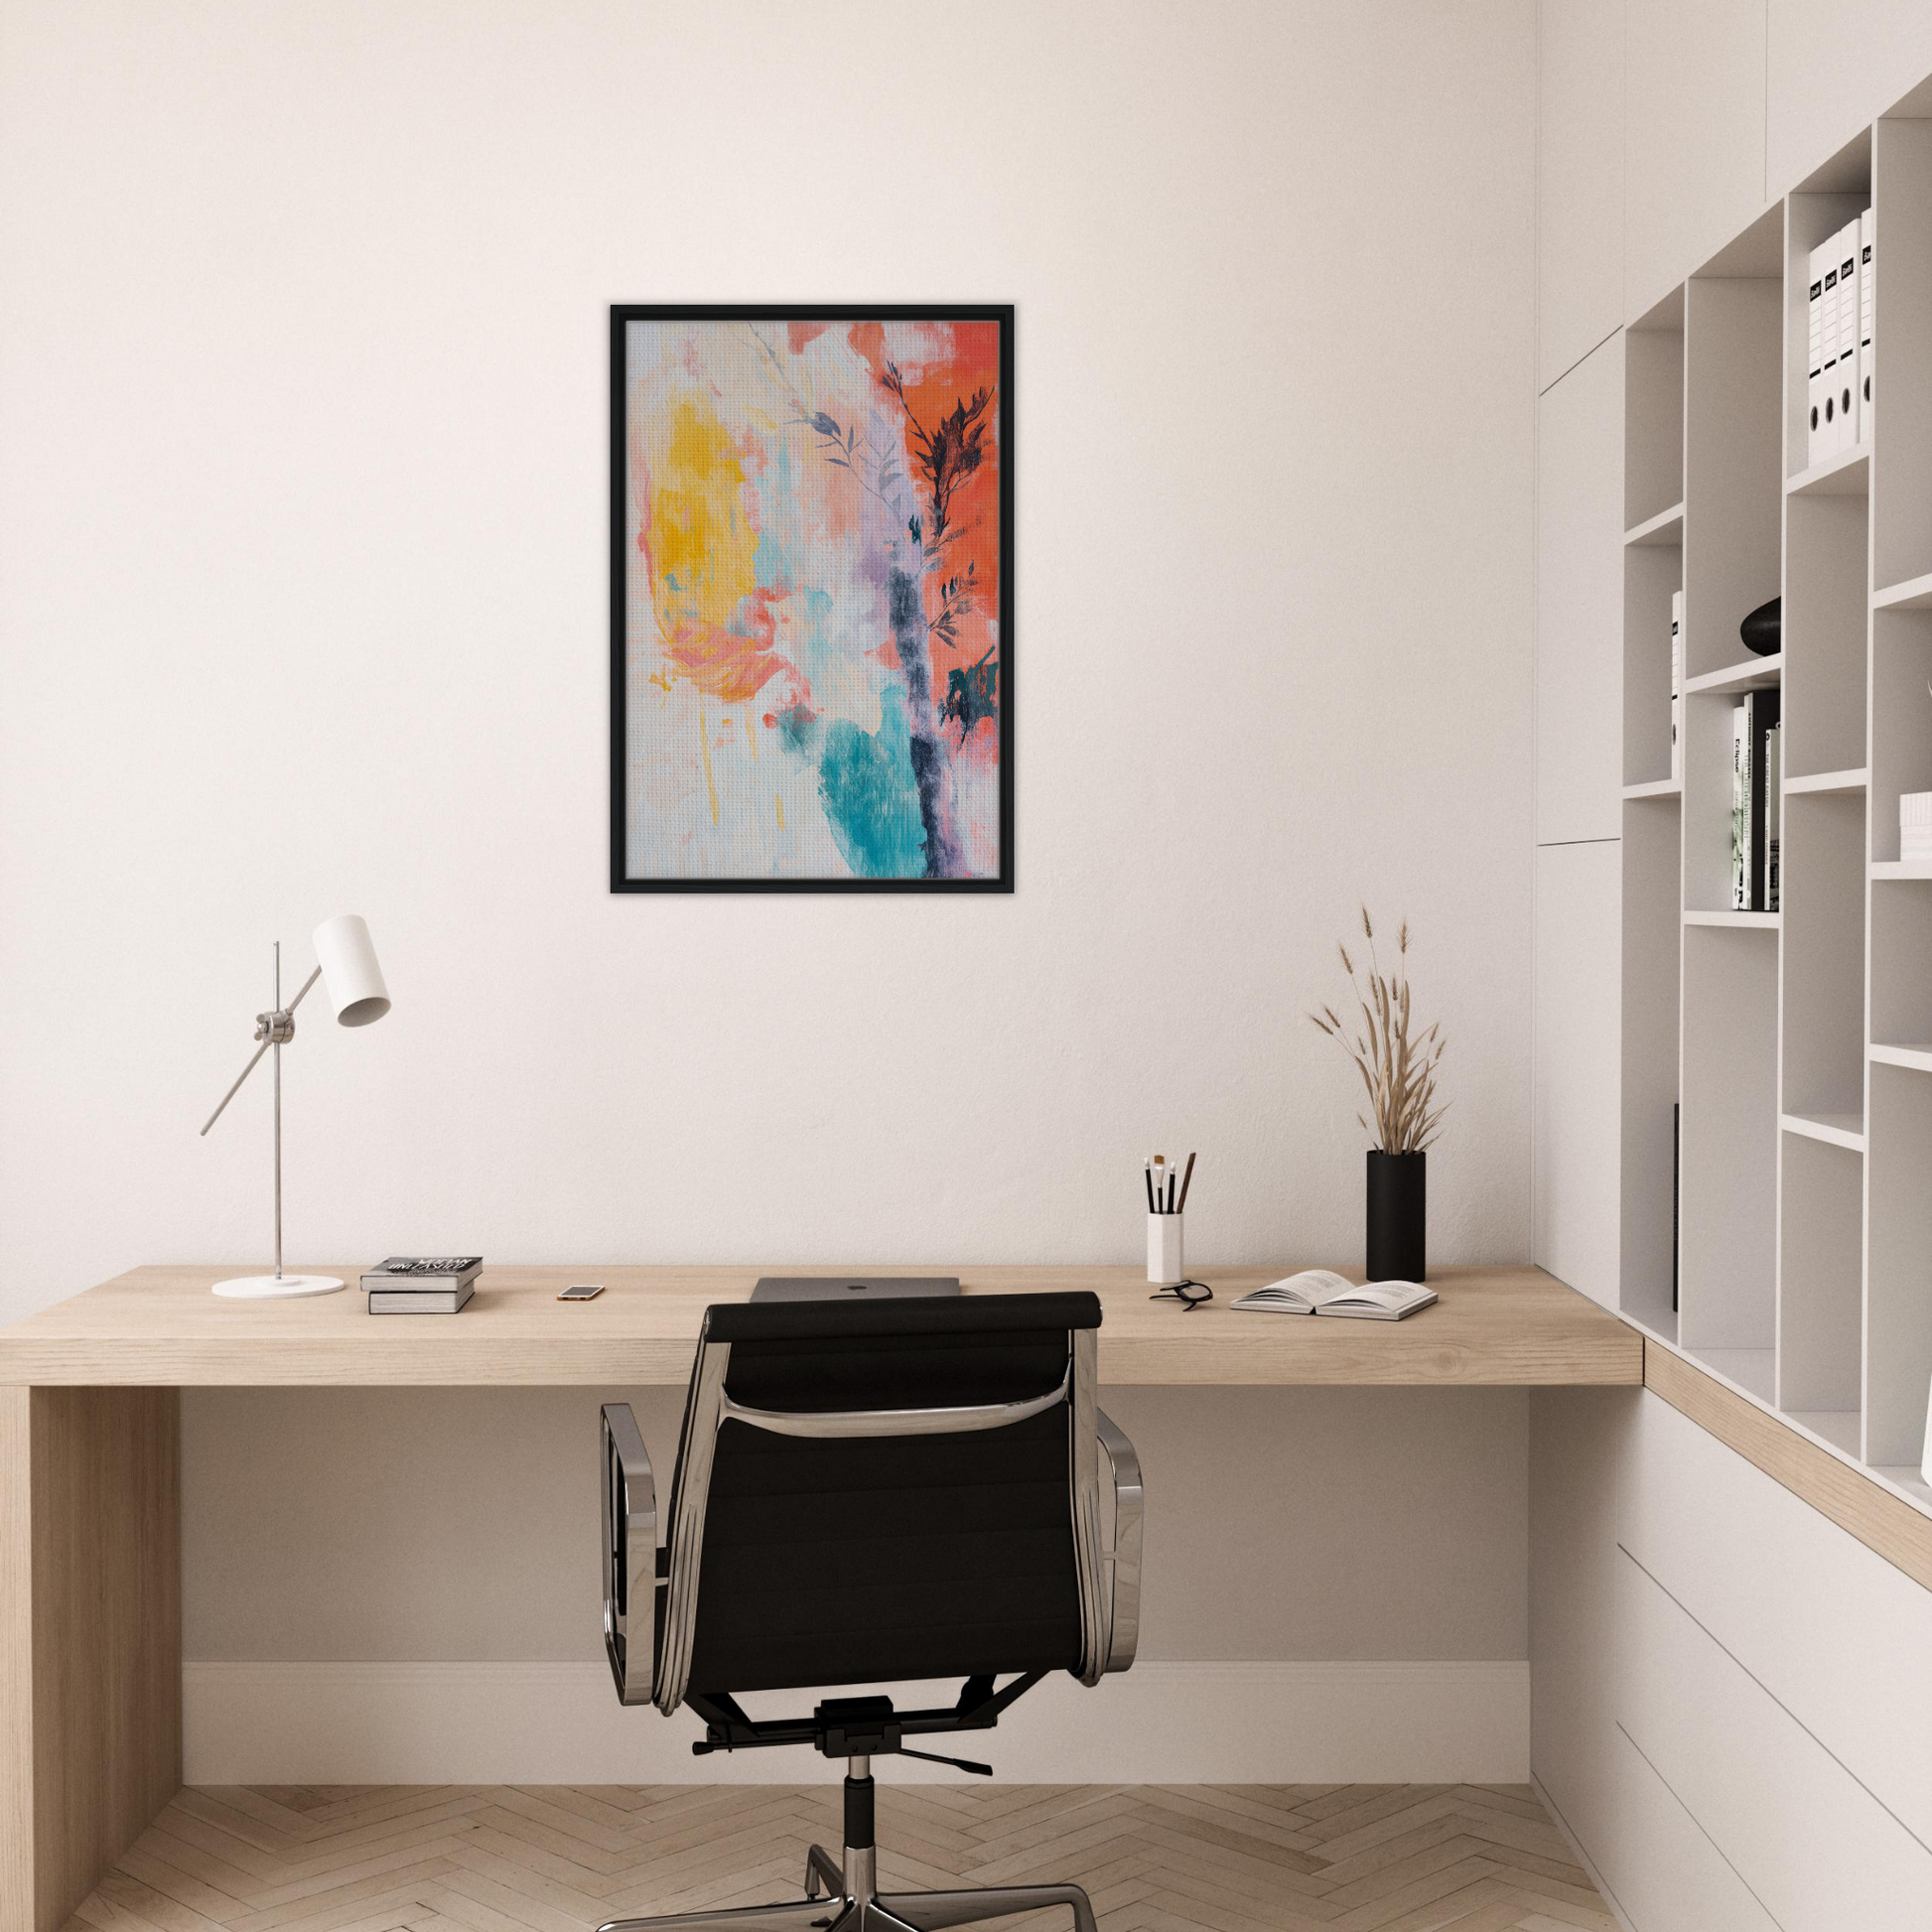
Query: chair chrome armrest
x=1124 y=1558
x=629 y=1554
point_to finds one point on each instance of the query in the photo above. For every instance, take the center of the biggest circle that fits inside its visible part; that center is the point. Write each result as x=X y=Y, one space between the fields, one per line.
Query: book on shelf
x=1753 y=817
x=1677 y=686
x=1773 y=812
x=1741 y=811
x=420 y=1300
x=1867 y=301
x=1321 y=1291
x=1761 y=718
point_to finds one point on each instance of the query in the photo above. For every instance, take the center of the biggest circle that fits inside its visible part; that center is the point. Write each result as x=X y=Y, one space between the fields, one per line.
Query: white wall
x=302 y=504
x=302 y=481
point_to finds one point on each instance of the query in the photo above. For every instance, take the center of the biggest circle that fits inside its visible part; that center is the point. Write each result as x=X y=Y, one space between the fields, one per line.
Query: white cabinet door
x=1782 y=1588
x=1818 y=1851
x=1833 y=66
x=1574 y=1113
x=1693 y=137
x=1579 y=601
x=1659 y=1864
x=1579 y=180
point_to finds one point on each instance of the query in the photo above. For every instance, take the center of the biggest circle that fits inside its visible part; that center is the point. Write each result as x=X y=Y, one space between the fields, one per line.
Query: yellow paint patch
x=702 y=552
x=779 y=800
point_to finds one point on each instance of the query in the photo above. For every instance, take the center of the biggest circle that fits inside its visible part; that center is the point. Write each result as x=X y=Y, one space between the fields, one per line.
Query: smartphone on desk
x=581 y=1291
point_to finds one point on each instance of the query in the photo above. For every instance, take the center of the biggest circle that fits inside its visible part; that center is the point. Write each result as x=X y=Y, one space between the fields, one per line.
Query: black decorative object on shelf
x=1397 y=1216
x=1763 y=630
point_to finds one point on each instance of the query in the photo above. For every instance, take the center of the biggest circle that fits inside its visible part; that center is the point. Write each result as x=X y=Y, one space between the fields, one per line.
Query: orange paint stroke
x=934 y=389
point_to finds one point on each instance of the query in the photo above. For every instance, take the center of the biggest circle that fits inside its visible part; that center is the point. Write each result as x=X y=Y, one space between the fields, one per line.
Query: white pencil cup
x=1163 y=1250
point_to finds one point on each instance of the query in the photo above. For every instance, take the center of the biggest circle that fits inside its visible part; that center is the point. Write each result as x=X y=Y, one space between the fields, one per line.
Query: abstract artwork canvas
x=811 y=599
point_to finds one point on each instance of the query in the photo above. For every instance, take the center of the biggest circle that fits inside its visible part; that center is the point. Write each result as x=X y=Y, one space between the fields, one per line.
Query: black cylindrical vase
x=1397 y=1216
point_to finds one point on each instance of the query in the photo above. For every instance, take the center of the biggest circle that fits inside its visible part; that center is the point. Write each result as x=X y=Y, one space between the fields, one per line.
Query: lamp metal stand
x=274 y=1030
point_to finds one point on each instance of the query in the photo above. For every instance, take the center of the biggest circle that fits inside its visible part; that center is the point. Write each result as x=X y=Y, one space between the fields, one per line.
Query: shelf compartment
x=1845 y=474
x=1898 y=1295
x=1907 y=1479
x=1752 y=1369
x=1654 y=414
x=1753 y=674
x=1901 y=964
x=1734 y=471
x=1901 y=719
x=1664 y=531
x=1901 y=868
x=1826 y=576
x=1823 y=920
x=1650 y=577
x=1835 y=1130
x=1821 y=1257
x=1653 y=939
x=1708 y=720
x=1826 y=781
x=1915 y=593
x=1842 y=1429
x=1901 y=462
x=1729 y=1239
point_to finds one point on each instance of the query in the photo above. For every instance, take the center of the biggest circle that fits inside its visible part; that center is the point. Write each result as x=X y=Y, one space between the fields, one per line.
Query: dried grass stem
x=1398 y=1067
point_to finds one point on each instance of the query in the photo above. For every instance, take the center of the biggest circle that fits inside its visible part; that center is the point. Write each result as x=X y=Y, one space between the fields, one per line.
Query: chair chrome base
x=852 y=1906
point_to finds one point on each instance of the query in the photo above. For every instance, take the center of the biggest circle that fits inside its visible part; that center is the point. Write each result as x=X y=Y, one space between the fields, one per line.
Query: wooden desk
x=89 y=1461
x=160 y=1328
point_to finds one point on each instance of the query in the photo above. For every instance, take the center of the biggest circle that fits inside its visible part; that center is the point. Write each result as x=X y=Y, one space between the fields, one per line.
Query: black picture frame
x=623 y=314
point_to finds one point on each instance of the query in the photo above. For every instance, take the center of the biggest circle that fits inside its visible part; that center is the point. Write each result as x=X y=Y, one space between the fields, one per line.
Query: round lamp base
x=276 y=1288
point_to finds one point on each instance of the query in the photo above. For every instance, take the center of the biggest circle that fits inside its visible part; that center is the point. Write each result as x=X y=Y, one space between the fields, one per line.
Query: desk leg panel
x=89 y=1637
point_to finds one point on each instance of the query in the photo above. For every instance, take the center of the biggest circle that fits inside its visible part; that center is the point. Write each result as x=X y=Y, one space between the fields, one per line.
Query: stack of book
x=1839 y=314
x=422 y=1284
x=1755 y=803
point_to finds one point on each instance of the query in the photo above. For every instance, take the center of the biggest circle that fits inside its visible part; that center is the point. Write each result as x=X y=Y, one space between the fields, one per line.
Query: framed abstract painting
x=811 y=599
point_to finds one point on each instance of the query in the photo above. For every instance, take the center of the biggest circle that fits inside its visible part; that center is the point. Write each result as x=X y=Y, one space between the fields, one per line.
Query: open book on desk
x=1321 y=1291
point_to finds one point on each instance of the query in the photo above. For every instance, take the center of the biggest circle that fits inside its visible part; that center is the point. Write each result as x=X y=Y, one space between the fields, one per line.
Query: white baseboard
x=561 y=1723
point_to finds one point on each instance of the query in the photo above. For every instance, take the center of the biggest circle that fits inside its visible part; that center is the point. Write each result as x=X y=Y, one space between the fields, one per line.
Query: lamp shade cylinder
x=350 y=974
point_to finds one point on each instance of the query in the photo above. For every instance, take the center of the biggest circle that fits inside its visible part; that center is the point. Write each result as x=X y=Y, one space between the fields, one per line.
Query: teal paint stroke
x=872 y=800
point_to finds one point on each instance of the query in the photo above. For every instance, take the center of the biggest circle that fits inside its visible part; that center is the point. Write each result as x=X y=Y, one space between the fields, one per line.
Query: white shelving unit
x=1797 y=1044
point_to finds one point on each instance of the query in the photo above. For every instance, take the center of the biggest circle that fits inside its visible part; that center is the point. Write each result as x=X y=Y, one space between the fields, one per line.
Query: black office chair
x=866 y=1495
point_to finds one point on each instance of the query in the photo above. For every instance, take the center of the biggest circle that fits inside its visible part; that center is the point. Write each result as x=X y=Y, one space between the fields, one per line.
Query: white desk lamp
x=346 y=965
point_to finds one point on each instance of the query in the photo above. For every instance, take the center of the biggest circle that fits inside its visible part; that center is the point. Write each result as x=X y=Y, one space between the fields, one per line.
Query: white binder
x=1847 y=336
x=1817 y=313
x=1865 y=301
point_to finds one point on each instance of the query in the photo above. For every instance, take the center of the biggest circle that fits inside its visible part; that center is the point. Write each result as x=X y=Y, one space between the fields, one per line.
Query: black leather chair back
x=865 y=1558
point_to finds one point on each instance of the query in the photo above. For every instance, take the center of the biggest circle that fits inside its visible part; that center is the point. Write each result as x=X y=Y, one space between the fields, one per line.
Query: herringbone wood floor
x=562 y=1858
